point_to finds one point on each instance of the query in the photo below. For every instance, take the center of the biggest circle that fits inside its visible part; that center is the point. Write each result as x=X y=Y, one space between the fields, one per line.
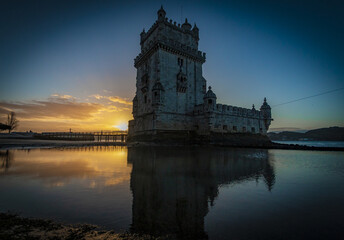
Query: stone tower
x=169 y=81
x=171 y=100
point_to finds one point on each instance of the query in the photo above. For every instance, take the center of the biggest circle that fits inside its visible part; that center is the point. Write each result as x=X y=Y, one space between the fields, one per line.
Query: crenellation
x=172 y=46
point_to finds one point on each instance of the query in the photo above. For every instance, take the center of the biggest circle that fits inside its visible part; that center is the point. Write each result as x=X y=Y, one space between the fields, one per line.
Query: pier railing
x=101 y=136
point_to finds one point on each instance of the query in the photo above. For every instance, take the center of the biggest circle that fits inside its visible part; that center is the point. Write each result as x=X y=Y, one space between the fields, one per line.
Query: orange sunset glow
x=63 y=112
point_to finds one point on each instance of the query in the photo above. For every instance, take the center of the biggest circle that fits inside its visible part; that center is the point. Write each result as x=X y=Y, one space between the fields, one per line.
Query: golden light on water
x=98 y=166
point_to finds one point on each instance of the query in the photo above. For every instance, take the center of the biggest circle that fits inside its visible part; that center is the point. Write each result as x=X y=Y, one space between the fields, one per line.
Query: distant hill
x=321 y=134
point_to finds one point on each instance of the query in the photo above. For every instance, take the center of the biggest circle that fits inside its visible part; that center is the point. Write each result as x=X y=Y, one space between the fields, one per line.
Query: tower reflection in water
x=173 y=187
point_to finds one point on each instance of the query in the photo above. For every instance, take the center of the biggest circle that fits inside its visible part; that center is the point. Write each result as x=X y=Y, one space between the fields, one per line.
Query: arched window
x=156 y=96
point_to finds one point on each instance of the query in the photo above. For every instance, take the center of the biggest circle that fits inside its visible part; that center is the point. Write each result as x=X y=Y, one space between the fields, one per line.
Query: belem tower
x=171 y=93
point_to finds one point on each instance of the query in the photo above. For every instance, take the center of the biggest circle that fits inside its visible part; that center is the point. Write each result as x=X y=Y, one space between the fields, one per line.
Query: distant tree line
x=11 y=123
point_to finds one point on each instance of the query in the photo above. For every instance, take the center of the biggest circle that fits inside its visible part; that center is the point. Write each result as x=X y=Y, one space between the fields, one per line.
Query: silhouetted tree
x=4 y=127
x=12 y=121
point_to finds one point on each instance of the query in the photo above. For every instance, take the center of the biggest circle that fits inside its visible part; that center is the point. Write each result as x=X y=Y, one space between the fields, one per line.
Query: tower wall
x=181 y=102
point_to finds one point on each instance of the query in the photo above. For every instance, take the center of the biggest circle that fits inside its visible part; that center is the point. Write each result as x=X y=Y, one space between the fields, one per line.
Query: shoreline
x=26 y=144
x=8 y=144
x=13 y=226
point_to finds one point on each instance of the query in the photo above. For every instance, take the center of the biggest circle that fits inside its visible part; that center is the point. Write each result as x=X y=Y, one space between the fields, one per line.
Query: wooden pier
x=114 y=136
x=102 y=136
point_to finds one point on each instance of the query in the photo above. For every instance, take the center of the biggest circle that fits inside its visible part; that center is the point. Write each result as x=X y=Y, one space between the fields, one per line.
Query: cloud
x=97 y=96
x=114 y=99
x=64 y=111
x=55 y=108
x=60 y=97
x=120 y=100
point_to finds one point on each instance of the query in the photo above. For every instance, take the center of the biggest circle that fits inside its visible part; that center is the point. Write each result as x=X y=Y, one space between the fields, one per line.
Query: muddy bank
x=13 y=226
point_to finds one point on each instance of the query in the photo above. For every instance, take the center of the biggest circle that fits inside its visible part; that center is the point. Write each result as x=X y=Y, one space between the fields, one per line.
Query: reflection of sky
x=307 y=195
x=93 y=185
x=74 y=184
x=283 y=50
x=64 y=166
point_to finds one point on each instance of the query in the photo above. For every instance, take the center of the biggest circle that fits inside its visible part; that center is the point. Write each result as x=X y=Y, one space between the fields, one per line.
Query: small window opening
x=180 y=62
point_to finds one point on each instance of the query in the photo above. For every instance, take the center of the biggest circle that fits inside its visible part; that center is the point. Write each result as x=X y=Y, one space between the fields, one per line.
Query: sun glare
x=122 y=126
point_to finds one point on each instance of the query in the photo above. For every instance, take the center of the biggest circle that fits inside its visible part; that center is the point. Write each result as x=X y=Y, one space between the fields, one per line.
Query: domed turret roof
x=265 y=105
x=186 y=25
x=161 y=14
x=162 y=11
x=210 y=94
x=195 y=28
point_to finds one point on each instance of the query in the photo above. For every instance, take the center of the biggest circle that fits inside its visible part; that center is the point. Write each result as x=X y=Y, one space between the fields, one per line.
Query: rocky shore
x=13 y=226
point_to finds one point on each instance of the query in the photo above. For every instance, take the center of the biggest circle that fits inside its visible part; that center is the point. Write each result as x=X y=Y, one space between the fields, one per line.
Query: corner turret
x=186 y=26
x=266 y=114
x=209 y=100
x=161 y=14
x=195 y=32
x=142 y=36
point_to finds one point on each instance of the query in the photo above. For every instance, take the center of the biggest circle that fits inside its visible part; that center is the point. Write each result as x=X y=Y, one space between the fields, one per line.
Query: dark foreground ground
x=14 y=227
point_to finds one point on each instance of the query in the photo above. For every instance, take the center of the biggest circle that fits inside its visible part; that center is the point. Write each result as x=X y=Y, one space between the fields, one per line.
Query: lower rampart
x=160 y=137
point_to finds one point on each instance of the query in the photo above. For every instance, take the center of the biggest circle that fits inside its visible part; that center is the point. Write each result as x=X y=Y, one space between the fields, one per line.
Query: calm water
x=213 y=193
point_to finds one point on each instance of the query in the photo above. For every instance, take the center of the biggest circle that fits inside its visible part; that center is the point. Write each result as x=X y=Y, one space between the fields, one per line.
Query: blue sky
x=282 y=50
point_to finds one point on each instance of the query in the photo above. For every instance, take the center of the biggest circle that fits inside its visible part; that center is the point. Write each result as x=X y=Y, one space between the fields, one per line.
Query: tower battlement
x=166 y=34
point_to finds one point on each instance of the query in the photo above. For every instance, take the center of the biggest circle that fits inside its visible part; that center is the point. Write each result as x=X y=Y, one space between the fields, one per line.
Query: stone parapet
x=168 y=23
x=169 y=46
x=230 y=110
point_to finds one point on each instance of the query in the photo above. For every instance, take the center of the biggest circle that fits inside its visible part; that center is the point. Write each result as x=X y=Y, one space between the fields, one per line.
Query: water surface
x=194 y=193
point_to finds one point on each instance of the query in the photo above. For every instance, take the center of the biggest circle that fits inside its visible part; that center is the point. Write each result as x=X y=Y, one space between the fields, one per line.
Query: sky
x=70 y=64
